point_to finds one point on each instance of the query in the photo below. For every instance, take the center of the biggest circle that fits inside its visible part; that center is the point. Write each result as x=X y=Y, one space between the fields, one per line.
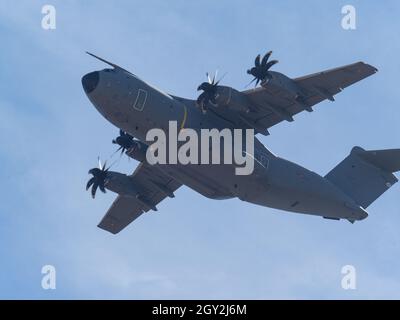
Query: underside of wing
x=121 y=213
x=274 y=105
x=153 y=186
x=336 y=79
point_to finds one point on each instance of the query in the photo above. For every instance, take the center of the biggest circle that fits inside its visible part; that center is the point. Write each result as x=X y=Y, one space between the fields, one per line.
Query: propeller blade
x=109 y=167
x=257 y=61
x=99 y=161
x=94 y=188
x=208 y=78
x=270 y=64
x=90 y=182
x=215 y=77
x=254 y=79
x=265 y=58
x=102 y=188
x=221 y=79
x=116 y=151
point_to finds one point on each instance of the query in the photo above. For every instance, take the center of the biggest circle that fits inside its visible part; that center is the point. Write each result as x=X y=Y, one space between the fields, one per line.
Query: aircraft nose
x=90 y=81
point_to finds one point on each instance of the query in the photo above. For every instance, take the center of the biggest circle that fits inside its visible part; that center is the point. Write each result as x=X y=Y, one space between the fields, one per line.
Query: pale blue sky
x=192 y=247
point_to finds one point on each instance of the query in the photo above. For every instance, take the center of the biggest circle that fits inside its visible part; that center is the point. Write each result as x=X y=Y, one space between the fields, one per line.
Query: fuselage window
x=140 y=100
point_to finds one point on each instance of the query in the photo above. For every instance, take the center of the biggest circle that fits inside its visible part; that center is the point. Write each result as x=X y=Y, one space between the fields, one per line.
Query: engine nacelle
x=120 y=183
x=233 y=99
x=137 y=151
x=283 y=85
x=125 y=186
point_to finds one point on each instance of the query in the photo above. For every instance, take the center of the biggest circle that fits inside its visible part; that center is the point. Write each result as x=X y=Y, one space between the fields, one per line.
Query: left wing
x=154 y=185
x=275 y=106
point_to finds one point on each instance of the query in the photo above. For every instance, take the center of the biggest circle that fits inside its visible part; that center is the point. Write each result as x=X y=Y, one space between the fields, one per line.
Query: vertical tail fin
x=366 y=175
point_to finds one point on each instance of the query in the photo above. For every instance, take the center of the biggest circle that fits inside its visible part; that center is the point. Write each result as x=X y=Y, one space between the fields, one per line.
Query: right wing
x=155 y=186
x=275 y=107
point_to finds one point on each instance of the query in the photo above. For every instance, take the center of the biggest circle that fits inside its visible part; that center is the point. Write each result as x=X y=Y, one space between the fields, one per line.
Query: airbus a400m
x=135 y=107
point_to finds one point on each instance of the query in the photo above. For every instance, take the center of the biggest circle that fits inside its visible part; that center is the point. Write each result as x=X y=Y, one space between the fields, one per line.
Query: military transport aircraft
x=135 y=107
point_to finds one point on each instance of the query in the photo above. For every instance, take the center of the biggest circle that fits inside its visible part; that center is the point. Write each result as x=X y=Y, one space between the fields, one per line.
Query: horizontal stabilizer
x=366 y=175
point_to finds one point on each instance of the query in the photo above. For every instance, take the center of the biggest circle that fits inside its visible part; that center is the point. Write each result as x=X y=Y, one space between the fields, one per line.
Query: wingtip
x=371 y=66
x=105 y=228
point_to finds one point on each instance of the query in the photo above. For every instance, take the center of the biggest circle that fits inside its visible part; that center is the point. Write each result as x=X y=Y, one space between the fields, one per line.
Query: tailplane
x=366 y=175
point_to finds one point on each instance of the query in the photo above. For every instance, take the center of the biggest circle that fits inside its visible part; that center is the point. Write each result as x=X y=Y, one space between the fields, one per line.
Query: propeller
x=261 y=68
x=124 y=140
x=209 y=93
x=99 y=178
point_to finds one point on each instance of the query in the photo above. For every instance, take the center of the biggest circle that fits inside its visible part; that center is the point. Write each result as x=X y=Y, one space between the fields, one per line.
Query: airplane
x=135 y=107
